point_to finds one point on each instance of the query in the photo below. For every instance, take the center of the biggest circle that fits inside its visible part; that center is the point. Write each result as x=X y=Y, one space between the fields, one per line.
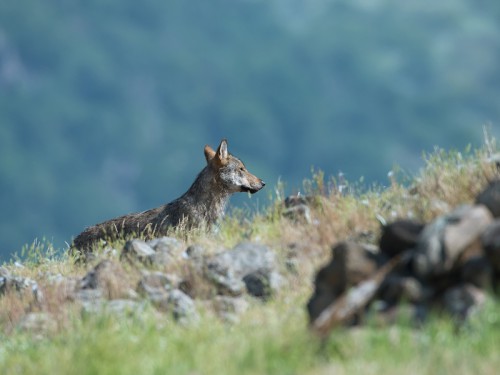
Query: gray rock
x=108 y=280
x=166 y=249
x=10 y=283
x=156 y=285
x=449 y=241
x=195 y=252
x=182 y=307
x=248 y=266
x=138 y=250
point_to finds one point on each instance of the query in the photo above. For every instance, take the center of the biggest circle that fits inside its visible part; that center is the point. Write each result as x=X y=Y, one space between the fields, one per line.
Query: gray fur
x=200 y=207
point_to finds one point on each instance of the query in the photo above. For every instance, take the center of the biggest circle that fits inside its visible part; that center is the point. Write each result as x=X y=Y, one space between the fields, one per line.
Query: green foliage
x=272 y=340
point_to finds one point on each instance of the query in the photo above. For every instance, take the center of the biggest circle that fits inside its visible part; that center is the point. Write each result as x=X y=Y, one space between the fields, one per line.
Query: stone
x=107 y=280
x=138 y=250
x=351 y=264
x=399 y=236
x=447 y=242
x=182 y=307
x=490 y=197
x=166 y=249
x=156 y=285
x=10 y=283
x=247 y=261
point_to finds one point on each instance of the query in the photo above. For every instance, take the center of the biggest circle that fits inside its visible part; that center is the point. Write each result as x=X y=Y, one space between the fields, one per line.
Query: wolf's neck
x=208 y=195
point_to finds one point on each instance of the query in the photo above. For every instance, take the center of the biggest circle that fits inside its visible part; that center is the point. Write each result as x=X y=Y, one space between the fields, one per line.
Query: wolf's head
x=231 y=171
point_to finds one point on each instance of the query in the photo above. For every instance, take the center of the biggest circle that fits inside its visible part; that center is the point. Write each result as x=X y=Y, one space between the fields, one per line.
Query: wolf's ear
x=209 y=153
x=222 y=151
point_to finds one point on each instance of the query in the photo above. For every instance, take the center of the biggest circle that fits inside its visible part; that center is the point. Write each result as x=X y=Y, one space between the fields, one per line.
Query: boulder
x=248 y=266
x=166 y=249
x=156 y=285
x=182 y=307
x=351 y=264
x=399 y=236
x=446 y=243
x=107 y=280
x=11 y=283
x=138 y=250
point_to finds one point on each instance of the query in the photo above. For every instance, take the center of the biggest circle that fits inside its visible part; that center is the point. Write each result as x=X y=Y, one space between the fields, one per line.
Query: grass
x=272 y=337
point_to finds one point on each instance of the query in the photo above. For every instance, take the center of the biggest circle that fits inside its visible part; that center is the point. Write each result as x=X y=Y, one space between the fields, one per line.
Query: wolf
x=200 y=207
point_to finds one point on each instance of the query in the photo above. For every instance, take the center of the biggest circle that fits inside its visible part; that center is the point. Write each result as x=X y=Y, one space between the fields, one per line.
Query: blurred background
x=106 y=105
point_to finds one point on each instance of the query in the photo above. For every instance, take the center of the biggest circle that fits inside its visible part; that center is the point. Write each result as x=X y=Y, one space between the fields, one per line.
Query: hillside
x=180 y=305
x=105 y=106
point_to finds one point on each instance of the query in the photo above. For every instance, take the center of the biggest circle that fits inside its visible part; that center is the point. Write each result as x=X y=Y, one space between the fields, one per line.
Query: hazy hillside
x=105 y=106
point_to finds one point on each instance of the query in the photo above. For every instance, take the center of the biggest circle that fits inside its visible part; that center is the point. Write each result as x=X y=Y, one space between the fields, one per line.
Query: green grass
x=270 y=340
x=272 y=337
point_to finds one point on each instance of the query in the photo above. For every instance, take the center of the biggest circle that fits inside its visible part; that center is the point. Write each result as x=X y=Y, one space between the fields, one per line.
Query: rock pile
x=160 y=275
x=448 y=264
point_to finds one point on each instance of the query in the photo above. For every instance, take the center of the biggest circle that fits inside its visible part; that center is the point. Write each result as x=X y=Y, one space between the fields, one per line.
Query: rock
x=244 y=267
x=229 y=308
x=462 y=300
x=166 y=250
x=399 y=236
x=10 y=283
x=182 y=307
x=195 y=252
x=107 y=280
x=447 y=242
x=156 y=285
x=490 y=197
x=138 y=250
x=259 y=283
x=351 y=264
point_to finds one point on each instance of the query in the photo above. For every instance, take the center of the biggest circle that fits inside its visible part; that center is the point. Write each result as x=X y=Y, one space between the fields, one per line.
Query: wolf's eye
x=242 y=169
